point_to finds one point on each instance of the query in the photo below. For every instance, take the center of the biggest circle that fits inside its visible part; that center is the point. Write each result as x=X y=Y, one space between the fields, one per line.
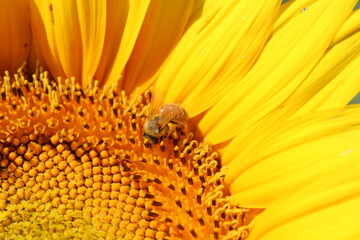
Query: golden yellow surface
x=74 y=165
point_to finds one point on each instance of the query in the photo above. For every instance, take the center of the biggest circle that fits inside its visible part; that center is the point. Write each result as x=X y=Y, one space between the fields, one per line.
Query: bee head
x=152 y=131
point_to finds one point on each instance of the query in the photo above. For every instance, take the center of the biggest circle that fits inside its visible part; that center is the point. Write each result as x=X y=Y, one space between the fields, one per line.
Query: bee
x=158 y=123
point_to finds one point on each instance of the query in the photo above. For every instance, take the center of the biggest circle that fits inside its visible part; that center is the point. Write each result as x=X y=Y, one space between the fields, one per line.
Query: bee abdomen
x=177 y=113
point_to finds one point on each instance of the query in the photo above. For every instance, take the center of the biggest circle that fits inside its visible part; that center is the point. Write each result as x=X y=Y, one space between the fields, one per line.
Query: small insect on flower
x=161 y=119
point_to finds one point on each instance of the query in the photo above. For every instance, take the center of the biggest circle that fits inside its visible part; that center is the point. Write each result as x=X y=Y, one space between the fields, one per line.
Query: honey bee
x=157 y=124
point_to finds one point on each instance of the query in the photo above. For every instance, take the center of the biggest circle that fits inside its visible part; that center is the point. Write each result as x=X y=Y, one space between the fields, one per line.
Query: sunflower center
x=74 y=165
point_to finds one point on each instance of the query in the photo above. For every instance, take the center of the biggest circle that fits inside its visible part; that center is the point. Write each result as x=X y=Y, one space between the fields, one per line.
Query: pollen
x=74 y=165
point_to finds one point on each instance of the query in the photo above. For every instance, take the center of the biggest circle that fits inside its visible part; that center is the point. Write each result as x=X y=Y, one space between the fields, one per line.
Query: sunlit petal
x=134 y=21
x=67 y=37
x=290 y=9
x=108 y=153
x=216 y=52
x=116 y=12
x=15 y=34
x=334 y=81
x=43 y=39
x=163 y=26
x=351 y=26
x=288 y=155
x=327 y=208
x=298 y=45
x=92 y=35
x=64 y=34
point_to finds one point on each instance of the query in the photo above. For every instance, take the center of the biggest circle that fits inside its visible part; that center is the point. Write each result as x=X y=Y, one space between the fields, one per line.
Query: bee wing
x=155 y=103
x=164 y=120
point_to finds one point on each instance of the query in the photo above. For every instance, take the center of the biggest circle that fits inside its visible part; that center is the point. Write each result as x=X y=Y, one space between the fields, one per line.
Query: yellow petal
x=92 y=21
x=15 y=34
x=216 y=51
x=332 y=83
x=284 y=6
x=134 y=21
x=327 y=208
x=351 y=26
x=289 y=9
x=288 y=57
x=335 y=79
x=68 y=32
x=291 y=154
x=67 y=37
x=164 y=24
x=116 y=16
x=43 y=39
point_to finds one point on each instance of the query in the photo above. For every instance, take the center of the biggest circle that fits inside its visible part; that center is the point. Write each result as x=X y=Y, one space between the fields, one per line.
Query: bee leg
x=178 y=127
x=173 y=128
x=165 y=130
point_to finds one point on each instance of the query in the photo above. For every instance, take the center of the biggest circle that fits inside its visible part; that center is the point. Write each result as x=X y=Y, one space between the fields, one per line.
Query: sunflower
x=270 y=150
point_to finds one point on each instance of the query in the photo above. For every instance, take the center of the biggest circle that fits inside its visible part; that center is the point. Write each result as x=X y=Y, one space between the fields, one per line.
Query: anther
x=157 y=204
x=170 y=164
x=178 y=203
x=148 y=195
x=77 y=97
x=179 y=226
x=143 y=160
x=193 y=233
x=189 y=212
x=196 y=170
x=153 y=214
x=119 y=124
x=156 y=161
x=216 y=235
x=198 y=199
x=169 y=185
x=201 y=221
x=91 y=98
x=116 y=112
x=190 y=181
x=209 y=173
x=44 y=107
x=100 y=111
x=208 y=210
x=183 y=160
x=162 y=146
x=13 y=104
x=178 y=172
x=136 y=177
x=183 y=190
x=158 y=181
x=133 y=124
x=176 y=151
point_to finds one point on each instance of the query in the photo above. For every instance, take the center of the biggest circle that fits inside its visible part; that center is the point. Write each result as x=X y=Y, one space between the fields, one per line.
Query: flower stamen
x=76 y=157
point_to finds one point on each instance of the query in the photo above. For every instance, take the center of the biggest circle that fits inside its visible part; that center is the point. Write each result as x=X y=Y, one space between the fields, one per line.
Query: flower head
x=265 y=87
